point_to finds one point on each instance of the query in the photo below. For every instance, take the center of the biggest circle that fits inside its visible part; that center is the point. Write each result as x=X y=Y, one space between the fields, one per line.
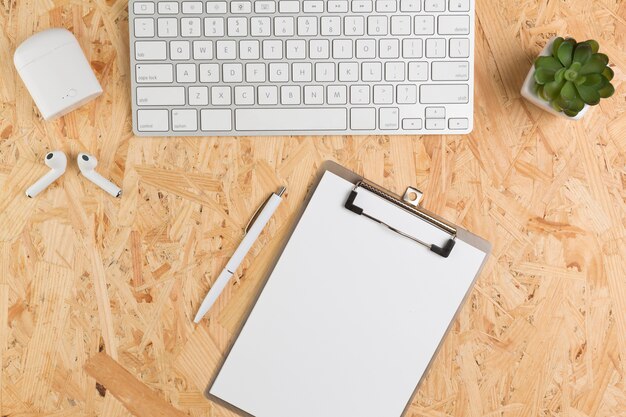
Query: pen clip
x=258 y=211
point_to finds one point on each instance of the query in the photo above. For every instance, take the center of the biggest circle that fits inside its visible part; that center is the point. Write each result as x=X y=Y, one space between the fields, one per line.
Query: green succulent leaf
x=577 y=104
x=582 y=53
x=560 y=74
x=606 y=91
x=594 y=81
x=571 y=113
x=555 y=46
x=544 y=75
x=595 y=65
x=608 y=73
x=568 y=92
x=595 y=46
x=588 y=94
x=548 y=62
x=565 y=52
x=552 y=89
x=555 y=105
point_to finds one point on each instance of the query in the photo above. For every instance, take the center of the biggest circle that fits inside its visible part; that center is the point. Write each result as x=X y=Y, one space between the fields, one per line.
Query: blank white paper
x=351 y=315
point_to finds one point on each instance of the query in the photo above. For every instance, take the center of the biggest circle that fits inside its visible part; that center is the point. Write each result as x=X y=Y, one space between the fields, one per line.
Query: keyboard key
x=307 y=26
x=331 y=26
x=363 y=118
x=290 y=95
x=394 y=71
x=389 y=118
x=386 y=6
x=435 y=124
x=186 y=73
x=459 y=5
x=412 y=48
x=362 y=6
x=372 y=71
x=383 y=94
x=410 y=5
x=255 y=73
x=202 y=50
x=190 y=27
x=458 y=123
x=240 y=7
x=284 y=26
x=435 y=112
x=244 y=95
x=296 y=49
x=192 y=7
x=272 y=49
x=232 y=73
x=337 y=6
x=143 y=7
x=400 y=25
x=354 y=25
x=444 y=93
x=450 y=71
x=453 y=25
x=217 y=7
x=411 y=124
x=179 y=50
x=319 y=49
x=434 y=5
x=377 y=25
x=360 y=94
x=314 y=94
x=144 y=27
x=237 y=27
x=260 y=26
x=249 y=50
x=184 y=120
x=150 y=50
x=216 y=120
x=288 y=6
x=226 y=50
x=264 y=7
x=301 y=119
x=435 y=48
x=268 y=95
x=279 y=72
x=152 y=120
x=214 y=26
x=407 y=94
x=342 y=49
x=167 y=27
x=418 y=71
x=366 y=48
x=337 y=94
x=209 y=73
x=168 y=7
x=348 y=71
x=313 y=6
x=220 y=96
x=389 y=48
x=161 y=96
x=199 y=96
x=154 y=73
x=459 y=48
x=424 y=25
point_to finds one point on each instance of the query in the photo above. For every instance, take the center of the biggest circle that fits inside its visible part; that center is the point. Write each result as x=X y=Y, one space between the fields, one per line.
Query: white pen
x=253 y=230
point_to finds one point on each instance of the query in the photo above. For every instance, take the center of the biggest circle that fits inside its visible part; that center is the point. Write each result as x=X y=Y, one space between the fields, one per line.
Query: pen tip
x=281 y=191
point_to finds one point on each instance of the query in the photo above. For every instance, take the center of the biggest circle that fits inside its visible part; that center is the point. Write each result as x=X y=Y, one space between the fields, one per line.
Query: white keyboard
x=310 y=67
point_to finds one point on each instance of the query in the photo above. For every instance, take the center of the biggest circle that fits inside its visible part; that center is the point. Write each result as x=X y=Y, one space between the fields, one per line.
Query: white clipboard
x=355 y=308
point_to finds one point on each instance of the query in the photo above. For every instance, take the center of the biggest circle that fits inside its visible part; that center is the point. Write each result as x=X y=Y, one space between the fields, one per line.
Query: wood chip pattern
x=543 y=333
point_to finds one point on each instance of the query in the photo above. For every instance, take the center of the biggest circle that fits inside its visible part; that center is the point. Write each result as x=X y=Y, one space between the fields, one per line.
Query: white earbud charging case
x=56 y=72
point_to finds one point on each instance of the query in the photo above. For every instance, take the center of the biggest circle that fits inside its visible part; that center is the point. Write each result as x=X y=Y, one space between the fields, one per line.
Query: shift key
x=444 y=93
x=160 y=96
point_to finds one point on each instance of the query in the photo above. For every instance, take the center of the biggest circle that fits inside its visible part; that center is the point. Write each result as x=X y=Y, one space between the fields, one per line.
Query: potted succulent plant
x=568 y=77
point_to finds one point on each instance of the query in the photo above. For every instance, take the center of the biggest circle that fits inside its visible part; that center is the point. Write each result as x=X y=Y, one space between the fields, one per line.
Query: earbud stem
x=43 y=183
x=103 y=183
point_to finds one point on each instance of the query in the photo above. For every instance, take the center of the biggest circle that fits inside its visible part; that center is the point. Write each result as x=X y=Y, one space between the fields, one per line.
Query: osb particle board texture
x=542 y=334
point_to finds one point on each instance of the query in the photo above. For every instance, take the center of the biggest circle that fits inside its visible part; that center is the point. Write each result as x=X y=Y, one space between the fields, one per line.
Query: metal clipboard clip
x=410 y=203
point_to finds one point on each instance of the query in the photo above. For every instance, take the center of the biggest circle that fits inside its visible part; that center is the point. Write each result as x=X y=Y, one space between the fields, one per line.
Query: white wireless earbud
x=87 y=165
x=57 y=161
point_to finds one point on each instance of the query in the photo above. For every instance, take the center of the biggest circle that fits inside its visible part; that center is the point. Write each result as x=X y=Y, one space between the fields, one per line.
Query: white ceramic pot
x=528 y=90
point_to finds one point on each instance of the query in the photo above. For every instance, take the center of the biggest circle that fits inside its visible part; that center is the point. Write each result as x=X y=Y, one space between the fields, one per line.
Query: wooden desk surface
x=543 y=333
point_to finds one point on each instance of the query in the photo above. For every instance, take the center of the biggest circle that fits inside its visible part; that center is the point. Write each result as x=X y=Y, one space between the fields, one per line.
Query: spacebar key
x=291 y=119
